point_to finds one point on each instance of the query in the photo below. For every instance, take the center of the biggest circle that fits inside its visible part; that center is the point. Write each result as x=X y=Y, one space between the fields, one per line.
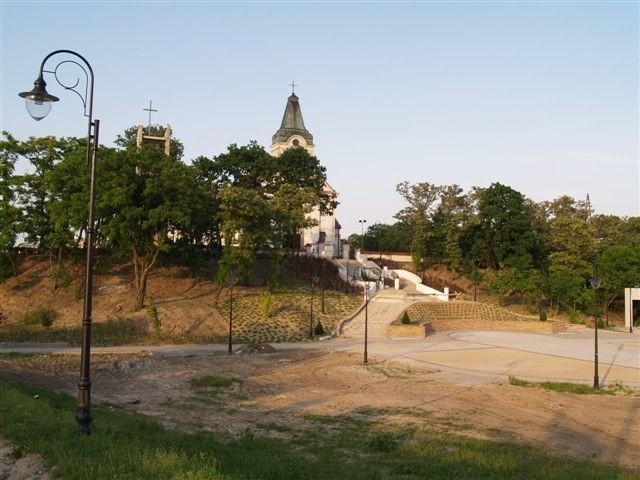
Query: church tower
x=323 y=239
x=292 y=132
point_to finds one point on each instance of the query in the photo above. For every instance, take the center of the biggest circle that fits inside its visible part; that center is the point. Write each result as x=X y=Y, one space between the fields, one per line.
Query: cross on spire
x=293 y=85
x=150 y=110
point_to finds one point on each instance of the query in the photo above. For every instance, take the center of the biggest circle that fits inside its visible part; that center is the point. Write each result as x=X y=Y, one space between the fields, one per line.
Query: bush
x=319 y=328
x=152 y=311
x=40 y=316
x=406 y=320
x=266 y=300
x=543 y=315
x=574 y=317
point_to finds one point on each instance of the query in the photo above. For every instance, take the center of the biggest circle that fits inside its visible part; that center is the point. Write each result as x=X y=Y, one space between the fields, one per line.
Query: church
x=322 y=239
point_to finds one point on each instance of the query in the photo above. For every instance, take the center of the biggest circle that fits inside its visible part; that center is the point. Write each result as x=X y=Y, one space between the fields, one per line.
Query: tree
x=10 y=214
x=35 y=191
x=505 y=235
x=264 y=200
x=571 y=241
x=422 y=198
x=619 y=267
x=146 y=201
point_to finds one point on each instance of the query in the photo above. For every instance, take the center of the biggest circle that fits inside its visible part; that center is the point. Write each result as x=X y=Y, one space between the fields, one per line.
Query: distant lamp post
x=595 y=282
x=366 y=275
x=362 y=222
x=366 y=319
x=314 y=280
x=38 y=102
x=231 y=280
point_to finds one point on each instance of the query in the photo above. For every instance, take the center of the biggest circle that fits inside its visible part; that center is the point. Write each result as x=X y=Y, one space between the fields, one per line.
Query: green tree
x=10 y=214
x=566 y=288
x=422 y=201
x=147 y=200
x=35 y=191
x=505 y=235
x=571 y=240
x=619 y=267
x=264 y=200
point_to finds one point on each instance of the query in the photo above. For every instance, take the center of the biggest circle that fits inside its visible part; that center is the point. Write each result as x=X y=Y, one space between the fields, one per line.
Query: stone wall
x=462 y=315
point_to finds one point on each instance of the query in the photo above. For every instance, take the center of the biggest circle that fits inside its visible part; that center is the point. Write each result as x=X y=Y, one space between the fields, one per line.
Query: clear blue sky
x=541 y=96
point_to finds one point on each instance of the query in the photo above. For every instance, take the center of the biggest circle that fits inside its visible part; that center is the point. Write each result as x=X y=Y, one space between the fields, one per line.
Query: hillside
x=188 y=308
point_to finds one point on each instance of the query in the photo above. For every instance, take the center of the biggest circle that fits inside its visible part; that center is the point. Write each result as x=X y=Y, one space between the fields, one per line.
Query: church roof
x=292 y=123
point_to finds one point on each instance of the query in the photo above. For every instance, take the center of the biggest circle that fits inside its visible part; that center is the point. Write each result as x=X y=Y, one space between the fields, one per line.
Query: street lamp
x=362 y=222
x=367 y=274
x=314 y=280
x=366 y=318
x=231 y=279
x=38 y=102
x=595 y=282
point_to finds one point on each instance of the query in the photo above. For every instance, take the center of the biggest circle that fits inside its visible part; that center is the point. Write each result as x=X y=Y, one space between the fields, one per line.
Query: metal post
x=322 y=286
x=596 y=379
x=366 y=319
x=595 y=284
x=83 y=410
x=311 y=313
x=230 y=350
x=362 y=222
x=37 y=98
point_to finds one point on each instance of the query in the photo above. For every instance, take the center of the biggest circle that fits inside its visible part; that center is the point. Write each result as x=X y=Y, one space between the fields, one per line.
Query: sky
x=541 y=96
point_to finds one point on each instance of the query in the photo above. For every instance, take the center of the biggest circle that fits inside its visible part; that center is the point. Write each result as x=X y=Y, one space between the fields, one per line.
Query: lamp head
x=595 y=282
x=38 y=101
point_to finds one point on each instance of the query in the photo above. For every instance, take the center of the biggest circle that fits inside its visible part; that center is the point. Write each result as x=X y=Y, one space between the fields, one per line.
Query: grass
x=128 y=446
x=577 y=388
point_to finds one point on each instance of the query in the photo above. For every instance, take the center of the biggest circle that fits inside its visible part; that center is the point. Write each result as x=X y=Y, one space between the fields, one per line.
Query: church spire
x=292 y=123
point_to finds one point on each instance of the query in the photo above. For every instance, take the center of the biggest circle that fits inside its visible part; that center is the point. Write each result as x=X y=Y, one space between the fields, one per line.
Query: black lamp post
x=231 y=279
x=366 y=319
x=314 y=280
x=367 y=274
x=38 y=102
x=362 y=222
x=595 y=284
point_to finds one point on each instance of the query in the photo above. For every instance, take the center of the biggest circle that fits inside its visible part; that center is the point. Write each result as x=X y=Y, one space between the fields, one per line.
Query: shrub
x=574 y=317
x=543 y=315
x=406 y=320
x=319 y=328
x=40 y=316
x=152 y=311
x=266 y=300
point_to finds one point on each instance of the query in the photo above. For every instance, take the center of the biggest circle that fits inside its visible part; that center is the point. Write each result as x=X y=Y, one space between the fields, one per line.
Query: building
x=322 y=239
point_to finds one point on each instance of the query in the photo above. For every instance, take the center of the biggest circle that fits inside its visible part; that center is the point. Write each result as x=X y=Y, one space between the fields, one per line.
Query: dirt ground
x=292 y=388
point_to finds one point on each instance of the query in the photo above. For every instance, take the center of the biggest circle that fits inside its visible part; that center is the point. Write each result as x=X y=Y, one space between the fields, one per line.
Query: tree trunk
x=14 y=265
x=142 y=265
x=141 y=291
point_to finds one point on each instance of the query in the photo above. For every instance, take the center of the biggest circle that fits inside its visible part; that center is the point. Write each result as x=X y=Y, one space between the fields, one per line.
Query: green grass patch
x=577 y=388
x=128 y=446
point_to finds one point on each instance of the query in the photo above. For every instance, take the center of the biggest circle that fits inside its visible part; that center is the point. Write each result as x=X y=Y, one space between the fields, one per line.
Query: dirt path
x=289 y=388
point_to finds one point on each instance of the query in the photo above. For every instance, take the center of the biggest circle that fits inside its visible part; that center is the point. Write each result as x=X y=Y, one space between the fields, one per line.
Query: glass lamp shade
x=38 y=100
x=595 y=282
x=38 y=109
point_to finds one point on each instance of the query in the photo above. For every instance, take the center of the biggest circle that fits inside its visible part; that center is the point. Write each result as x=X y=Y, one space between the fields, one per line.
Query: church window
x=296 y=142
